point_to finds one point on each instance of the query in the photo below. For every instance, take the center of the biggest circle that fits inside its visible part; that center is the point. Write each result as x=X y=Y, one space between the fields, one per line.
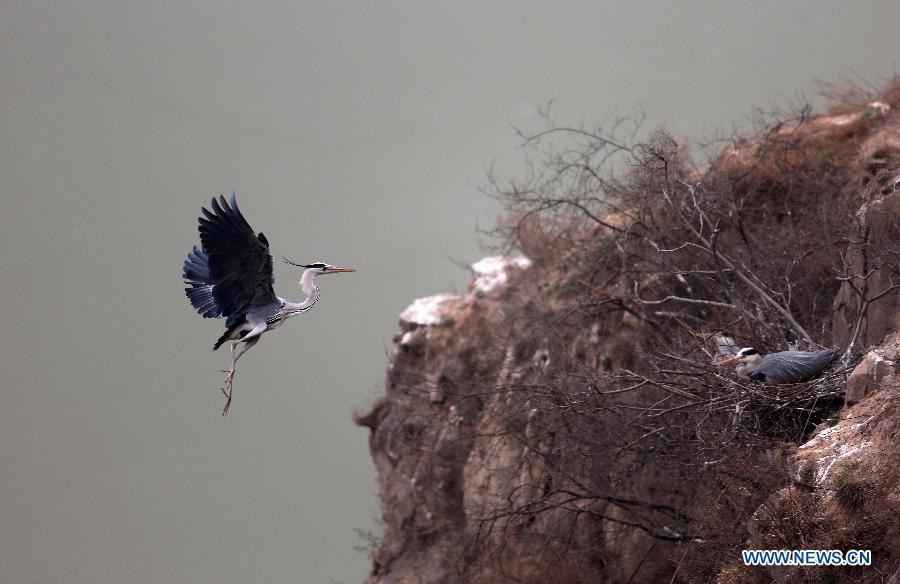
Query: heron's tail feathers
x=228 y=334
x=196 y=273
x=221 y=340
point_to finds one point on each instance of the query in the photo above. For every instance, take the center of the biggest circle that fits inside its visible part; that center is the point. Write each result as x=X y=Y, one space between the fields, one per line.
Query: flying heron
x=783 y=367
x=230 y=275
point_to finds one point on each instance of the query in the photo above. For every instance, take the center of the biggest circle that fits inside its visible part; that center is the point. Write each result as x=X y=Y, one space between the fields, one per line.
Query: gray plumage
x=782 y=367
x=230 y=275
x=196 y=273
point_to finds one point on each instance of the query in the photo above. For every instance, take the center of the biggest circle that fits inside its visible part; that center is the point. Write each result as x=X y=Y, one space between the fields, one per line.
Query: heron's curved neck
x=308 y=285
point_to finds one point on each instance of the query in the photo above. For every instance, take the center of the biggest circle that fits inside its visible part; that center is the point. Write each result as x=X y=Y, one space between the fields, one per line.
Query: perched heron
x=230 y=275
x=783 y=367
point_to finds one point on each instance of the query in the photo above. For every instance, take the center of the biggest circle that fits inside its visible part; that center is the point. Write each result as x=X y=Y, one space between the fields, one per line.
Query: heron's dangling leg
x=249 y=340
x=230 y=370
x=229 y=379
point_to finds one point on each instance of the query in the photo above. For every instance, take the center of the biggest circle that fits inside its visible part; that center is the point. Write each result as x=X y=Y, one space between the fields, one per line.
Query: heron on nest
x=230 y=275
x=782 y=367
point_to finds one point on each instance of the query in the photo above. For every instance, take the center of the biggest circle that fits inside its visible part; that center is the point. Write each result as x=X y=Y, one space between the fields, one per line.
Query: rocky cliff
x=565 y=421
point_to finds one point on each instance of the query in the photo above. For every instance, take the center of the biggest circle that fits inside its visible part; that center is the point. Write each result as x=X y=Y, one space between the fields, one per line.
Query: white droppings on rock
x=880 y=107
x=685 y=283
x=819 y=438
x=492 y=271
x=831 y=446
x=844 y=451
x=541 y=358
x=425 y=311
x=671 y=532
x=595 y=333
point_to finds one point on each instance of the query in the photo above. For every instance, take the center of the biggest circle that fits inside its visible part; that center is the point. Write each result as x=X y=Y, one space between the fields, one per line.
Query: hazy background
x=354 y=134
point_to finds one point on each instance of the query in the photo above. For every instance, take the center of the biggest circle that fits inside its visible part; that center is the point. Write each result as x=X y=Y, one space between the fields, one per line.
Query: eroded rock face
x=447 y=461
x=870 y=373
x=438 y=483
x=878 y=228
x=419 y=441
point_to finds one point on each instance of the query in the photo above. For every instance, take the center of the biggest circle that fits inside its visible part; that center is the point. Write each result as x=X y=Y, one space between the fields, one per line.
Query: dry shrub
x=646 y=259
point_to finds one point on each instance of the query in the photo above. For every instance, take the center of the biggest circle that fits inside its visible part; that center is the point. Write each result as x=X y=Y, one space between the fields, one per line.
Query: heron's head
x=320 y=268
x=746 y=356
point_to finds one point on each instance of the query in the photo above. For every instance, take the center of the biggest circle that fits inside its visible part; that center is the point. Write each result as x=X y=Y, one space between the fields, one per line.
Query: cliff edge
x=565 y=420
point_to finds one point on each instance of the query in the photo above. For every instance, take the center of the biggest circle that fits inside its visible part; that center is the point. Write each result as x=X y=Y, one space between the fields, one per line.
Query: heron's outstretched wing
x=795 y=366
x=240 y=265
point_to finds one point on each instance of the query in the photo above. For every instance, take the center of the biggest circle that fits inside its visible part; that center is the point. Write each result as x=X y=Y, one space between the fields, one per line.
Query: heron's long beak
x=336 y=270
x=729 y=360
